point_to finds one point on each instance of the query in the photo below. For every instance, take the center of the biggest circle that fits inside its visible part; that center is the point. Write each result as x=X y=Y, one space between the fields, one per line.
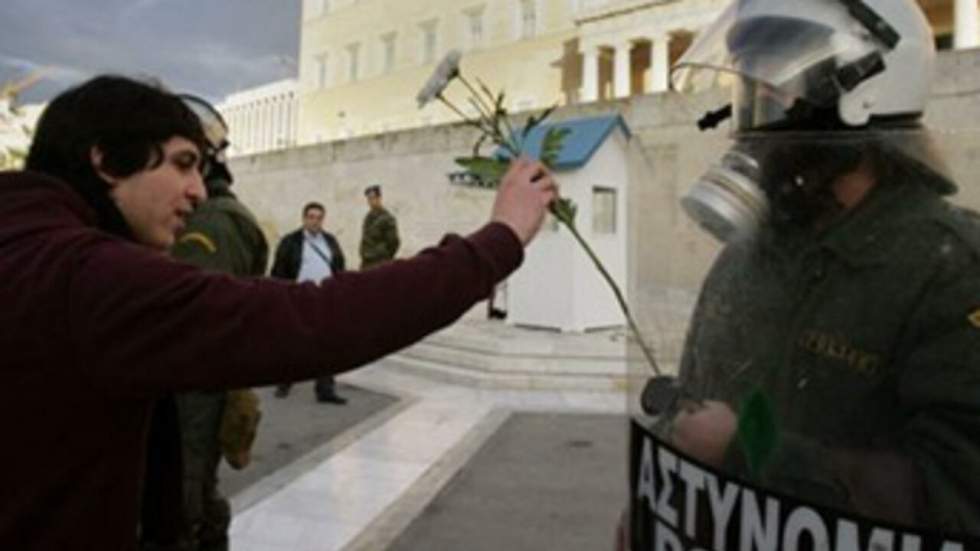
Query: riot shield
x=819 y=382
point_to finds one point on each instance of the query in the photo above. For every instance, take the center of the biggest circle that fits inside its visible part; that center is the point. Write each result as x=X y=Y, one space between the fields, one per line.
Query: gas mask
x=781 y=179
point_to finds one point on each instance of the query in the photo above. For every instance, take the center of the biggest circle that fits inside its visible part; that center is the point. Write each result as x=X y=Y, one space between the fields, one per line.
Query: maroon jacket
x=94 y=328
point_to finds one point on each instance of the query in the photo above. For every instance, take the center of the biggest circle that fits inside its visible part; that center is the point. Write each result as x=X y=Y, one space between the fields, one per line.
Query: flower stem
x=647 y=352
x=479 y=124
x=486 y=126
x=491 y=113
x=477 y=98
x=510 y=131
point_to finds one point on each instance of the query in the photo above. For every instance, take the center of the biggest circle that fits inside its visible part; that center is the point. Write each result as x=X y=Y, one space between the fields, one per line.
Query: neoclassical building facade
x=361 y=62
x=262 y=119
x=628 y=46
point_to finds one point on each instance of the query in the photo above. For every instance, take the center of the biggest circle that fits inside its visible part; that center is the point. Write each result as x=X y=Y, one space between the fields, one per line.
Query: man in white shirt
x=310 y=254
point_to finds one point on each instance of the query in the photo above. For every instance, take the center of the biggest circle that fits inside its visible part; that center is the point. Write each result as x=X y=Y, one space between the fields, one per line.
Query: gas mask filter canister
x=727 y=201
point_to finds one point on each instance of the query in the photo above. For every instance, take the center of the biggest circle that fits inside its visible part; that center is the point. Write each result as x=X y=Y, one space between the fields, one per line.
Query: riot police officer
x=846 y=295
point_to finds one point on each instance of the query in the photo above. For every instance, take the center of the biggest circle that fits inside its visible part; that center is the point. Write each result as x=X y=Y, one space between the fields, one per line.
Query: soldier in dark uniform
x=848 y=292
x=379 y=236
x=221 y=235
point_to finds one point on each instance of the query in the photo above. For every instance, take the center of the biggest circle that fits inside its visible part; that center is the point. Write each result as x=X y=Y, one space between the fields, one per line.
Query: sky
x=207 y=47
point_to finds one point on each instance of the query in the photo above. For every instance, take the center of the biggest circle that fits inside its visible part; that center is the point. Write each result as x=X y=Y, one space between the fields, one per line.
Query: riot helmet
x=816 y=86
x=216 y=131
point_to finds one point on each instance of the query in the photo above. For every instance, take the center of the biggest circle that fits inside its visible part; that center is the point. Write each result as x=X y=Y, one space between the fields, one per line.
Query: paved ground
x=542 y=481
x=448 y=467
x=292 y=427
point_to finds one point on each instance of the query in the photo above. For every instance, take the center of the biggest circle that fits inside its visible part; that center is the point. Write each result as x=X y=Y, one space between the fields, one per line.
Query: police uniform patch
x=838 y=348
x=201 y=239
x=974 y=318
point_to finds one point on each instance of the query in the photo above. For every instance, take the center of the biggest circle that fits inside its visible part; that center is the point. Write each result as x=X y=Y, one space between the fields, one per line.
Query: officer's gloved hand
x=660 y=395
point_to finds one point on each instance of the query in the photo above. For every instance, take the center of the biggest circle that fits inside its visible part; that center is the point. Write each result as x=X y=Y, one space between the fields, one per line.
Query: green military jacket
x=223 y=235
x=379 y=238
x=866 y=339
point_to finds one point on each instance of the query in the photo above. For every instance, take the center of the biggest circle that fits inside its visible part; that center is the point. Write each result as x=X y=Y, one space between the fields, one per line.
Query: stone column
x=291 y=109
x=253 y=131
x=967 y=26
x=277 y=136
x=231 y=117
x=247 y=127
x=260 y=127
x=659 y=80
x=270 y=123
x=590 y=74
x=621 y=82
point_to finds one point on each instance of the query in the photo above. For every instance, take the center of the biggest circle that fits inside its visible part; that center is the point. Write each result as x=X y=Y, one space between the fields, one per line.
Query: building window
x=603 y=211
x=944 y=41
x=320 y=60
x=388 y=53
x=429 y=41
x=529 y=18
x=354 y=53
x=474 y=26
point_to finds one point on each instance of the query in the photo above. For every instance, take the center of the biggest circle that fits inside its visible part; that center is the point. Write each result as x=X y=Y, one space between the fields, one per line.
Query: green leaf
x=486 y=169
x=564 y=210
x=757 y=433
x=552 y=144
x=499 y=109
x=547 y=113
x=533 y=121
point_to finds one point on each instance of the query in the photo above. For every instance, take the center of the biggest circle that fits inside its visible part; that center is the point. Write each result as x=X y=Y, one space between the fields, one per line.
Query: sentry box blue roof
x=583 y=140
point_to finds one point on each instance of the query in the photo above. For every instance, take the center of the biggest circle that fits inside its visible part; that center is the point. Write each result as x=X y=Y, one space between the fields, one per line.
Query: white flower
x=445 y=72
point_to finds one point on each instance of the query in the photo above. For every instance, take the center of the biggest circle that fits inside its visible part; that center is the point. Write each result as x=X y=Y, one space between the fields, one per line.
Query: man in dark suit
x=310 y=254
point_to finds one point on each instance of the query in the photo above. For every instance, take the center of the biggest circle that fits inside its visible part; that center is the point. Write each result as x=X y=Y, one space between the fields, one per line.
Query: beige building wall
x=362 y=63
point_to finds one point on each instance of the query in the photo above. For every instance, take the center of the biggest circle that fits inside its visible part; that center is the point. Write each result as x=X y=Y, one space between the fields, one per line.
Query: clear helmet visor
x=772 y=60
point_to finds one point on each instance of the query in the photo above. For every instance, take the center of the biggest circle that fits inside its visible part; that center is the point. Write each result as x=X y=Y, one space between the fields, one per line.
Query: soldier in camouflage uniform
x=379 y=236
x=854 y=307
x=221 y=235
